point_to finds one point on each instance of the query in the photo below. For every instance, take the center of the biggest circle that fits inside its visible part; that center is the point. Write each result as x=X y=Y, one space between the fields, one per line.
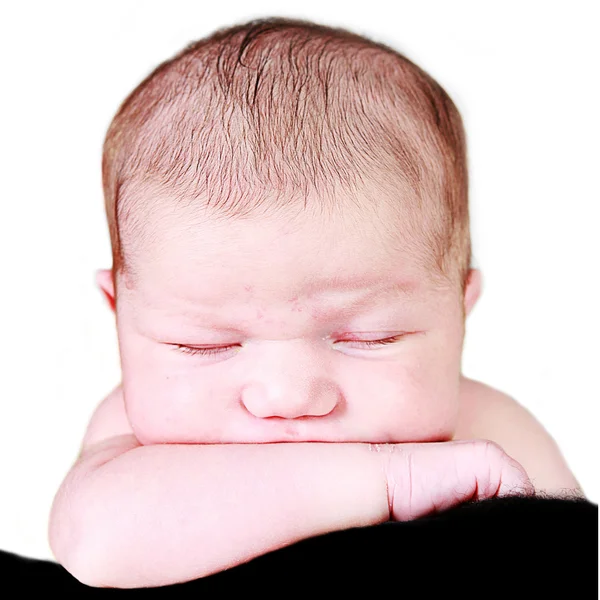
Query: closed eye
x=193 y=351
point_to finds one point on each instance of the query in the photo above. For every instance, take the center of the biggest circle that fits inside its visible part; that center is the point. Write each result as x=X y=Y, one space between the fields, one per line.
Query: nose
x=273 y=401
x=290 y=384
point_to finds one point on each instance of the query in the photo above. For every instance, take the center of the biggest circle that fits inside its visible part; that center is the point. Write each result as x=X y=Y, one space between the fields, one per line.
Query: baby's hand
x=431 y=477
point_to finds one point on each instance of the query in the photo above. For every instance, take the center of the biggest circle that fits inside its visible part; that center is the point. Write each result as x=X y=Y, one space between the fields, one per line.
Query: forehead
x=189 y=261
x=207 y=259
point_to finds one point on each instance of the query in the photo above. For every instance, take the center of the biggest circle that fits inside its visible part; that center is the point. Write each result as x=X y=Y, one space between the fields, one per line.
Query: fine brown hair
x=258 y=117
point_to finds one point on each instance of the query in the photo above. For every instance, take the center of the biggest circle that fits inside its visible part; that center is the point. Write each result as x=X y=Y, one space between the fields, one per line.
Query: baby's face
x=289 y=312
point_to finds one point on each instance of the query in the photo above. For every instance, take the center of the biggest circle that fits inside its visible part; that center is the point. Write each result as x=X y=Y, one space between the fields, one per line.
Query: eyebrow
x=395 y=290
x=351 y=283
x=386 y=296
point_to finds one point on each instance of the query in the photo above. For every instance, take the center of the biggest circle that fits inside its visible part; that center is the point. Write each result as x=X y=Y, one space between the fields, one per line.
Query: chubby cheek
x=416 y=400
x=163 y=401
x=420 y=406
x=165 y=408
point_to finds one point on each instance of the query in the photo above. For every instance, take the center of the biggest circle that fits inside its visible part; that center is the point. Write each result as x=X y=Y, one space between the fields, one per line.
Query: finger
x=429 y=478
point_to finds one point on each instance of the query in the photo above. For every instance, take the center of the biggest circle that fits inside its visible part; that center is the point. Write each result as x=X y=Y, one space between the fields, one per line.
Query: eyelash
x=215 y=351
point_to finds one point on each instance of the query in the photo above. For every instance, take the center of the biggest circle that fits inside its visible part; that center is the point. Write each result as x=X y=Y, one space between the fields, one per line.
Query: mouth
x=274 y=430
x=288 y=430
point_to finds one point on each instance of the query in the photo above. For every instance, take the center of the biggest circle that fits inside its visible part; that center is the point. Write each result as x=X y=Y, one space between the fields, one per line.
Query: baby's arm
x=132 y=516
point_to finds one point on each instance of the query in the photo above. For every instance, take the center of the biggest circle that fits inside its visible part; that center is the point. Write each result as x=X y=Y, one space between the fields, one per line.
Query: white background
x=524 y=75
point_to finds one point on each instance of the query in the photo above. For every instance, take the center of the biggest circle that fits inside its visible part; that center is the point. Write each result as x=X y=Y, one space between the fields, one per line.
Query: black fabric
x=509 y=548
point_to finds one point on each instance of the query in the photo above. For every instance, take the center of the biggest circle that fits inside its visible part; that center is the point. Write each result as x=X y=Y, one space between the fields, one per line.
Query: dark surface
x=514 y=548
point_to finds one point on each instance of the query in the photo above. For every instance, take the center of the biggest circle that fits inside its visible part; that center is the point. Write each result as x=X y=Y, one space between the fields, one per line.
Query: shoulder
x=483 y=407
x=487 y=413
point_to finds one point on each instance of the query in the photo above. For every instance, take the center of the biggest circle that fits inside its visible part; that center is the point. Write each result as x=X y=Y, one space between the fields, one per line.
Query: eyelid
x=377 y=335
x=216 y=350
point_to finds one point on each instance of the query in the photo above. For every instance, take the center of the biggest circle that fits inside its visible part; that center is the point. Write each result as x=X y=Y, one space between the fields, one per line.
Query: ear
x=472 y=289
x=105 y=282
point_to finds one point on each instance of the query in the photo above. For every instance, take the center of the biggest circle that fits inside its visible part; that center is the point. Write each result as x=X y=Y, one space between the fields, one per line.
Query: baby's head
x=280 y=197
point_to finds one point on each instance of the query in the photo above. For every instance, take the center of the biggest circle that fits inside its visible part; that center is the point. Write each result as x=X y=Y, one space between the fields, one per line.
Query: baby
x=288 y=211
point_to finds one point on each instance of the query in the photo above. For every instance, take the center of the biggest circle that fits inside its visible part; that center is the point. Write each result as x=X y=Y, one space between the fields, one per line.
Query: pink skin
x=297 y=371
x=426 y=478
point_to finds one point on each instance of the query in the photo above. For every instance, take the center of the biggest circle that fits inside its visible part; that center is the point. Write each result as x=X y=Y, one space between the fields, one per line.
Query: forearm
x=158 y=515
